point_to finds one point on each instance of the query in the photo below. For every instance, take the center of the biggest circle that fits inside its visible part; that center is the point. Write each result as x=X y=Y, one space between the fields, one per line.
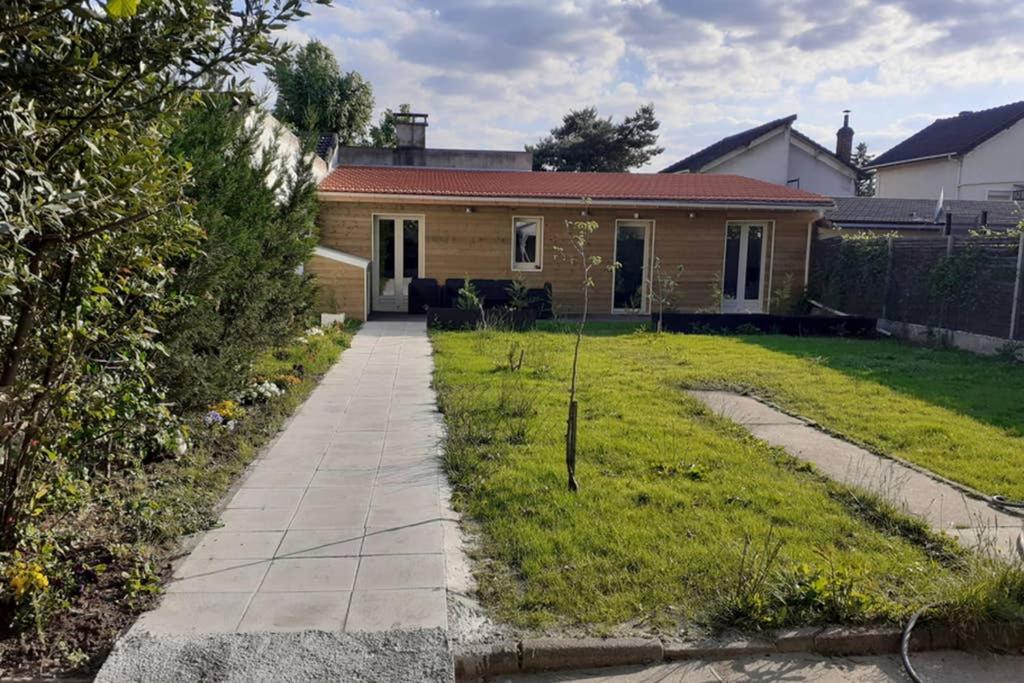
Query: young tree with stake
x=579 y=241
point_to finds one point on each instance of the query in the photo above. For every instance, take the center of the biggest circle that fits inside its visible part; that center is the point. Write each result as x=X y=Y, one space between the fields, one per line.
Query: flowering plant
x=26 y=577
x=228 y=410
x=260 y=392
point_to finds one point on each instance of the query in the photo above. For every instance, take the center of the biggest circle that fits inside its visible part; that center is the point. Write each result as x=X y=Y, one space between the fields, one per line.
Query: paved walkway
x=338 y=526
x=945 y=508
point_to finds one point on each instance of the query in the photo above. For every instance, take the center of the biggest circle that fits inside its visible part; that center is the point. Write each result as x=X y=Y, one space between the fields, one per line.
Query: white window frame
x=538 y=264
x=1007 y=198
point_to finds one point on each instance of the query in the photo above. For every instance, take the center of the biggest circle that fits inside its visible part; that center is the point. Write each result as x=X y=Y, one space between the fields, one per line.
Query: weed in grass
x=768 y=591
x=883 y=515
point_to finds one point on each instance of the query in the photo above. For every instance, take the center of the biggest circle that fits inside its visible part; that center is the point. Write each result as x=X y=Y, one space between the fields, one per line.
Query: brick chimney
x=844 y=138
x=411 y=130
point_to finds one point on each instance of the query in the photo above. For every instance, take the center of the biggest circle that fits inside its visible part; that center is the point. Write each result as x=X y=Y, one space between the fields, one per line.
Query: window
x=1000 y=195
x=527 y=242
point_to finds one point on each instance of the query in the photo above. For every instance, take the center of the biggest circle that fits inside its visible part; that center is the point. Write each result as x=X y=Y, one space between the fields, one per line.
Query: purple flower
x=212 y=418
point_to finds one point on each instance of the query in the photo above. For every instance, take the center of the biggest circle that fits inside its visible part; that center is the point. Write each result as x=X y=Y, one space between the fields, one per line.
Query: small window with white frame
x=1000 y=195
x=527 y=242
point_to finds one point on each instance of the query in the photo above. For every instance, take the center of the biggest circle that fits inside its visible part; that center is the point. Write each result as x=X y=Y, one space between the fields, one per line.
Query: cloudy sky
x=498 y=75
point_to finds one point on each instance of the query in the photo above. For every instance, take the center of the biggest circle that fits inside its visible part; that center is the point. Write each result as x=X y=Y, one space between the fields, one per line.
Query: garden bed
x=684 y=522
x=746 y=323
x=128 y=531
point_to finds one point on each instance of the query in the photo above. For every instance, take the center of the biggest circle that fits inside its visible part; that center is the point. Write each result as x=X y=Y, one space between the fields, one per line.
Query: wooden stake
x=570 y=446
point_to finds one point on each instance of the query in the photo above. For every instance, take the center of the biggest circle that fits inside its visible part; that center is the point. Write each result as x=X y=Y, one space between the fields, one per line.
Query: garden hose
x=1004 y=502
x=905 y=644
x=908 y=629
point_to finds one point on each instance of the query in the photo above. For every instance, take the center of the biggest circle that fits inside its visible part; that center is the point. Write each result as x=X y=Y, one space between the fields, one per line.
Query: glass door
x=629 y=292
x=743 y=277
x=397 y=251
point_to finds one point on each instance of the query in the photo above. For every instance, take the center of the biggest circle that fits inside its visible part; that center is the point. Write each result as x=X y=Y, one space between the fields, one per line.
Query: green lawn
x=672 y=495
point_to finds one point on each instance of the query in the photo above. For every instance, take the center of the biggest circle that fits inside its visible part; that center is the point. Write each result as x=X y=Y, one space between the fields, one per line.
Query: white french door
x=398 y=243
x=743 y=281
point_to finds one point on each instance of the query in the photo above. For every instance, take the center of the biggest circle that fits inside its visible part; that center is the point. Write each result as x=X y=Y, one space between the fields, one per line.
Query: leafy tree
x=866 y=183
x=245 y=291
x=93 y=211
x=382 y=134
x=588 y=142
x=313 y=95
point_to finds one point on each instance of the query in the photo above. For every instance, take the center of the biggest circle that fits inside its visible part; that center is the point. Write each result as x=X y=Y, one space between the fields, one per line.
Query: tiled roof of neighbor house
x=571 y=187
x=879 y=212
x=955 y=135
x=698 y=160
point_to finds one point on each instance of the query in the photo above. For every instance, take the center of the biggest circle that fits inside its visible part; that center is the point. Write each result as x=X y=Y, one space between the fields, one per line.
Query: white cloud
x=496 y=74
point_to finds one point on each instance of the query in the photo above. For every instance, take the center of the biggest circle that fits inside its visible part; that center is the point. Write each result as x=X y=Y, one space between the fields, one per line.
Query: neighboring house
x=976 y=155
x=737 y=238
x=778 y=153
x=917 y=217
x=411 y=131
x=274 y=135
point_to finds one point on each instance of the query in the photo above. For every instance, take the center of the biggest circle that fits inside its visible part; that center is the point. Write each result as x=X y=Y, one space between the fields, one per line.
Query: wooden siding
x=340 y=287
x=479 y=244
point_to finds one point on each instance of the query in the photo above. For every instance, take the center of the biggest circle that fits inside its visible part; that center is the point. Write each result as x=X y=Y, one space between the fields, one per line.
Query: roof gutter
x=338 y=196
x=946 y=155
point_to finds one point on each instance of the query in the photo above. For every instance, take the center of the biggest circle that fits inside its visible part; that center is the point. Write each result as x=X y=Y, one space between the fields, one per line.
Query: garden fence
x=970 y=284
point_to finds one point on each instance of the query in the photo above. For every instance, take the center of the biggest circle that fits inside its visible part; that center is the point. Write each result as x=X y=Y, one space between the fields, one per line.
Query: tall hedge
x=245 y=291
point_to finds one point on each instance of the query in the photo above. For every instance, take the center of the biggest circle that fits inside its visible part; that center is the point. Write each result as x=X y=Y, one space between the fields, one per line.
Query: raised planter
x=754 y=323
x=463 y=319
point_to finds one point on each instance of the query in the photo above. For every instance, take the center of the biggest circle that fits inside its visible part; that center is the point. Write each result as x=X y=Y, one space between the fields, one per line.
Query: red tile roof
x=697 y=188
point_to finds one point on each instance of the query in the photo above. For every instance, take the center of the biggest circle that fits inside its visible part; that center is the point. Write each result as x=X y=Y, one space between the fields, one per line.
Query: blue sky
x=498 y=75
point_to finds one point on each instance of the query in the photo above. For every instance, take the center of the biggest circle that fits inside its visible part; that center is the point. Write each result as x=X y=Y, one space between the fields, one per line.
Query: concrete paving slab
x=329 y=496
x=266 y=498
x=321 y=543
x=277 y=479
x=238 y=545
x=417 y=539
x=195 y=613
x=342 y=515
x=296 y=612
x=945 y=508
x=256 y=519
x=400 y=571
x=387 y=610
x=348 y=477
x=202 y=575
x=304 y=574
x=743 y=409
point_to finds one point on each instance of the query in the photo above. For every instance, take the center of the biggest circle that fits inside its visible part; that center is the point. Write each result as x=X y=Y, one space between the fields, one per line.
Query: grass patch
x=674 y=504
x=115 y=544
x=951 y=412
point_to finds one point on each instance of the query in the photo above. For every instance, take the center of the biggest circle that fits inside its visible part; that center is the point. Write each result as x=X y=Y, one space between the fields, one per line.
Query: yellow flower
x=26 y=577
x=229 y=410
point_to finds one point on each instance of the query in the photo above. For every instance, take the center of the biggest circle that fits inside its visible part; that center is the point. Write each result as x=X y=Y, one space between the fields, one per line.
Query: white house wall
x=997 y=164
x=919 y=180
x=818 y=176
x=766 y=161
